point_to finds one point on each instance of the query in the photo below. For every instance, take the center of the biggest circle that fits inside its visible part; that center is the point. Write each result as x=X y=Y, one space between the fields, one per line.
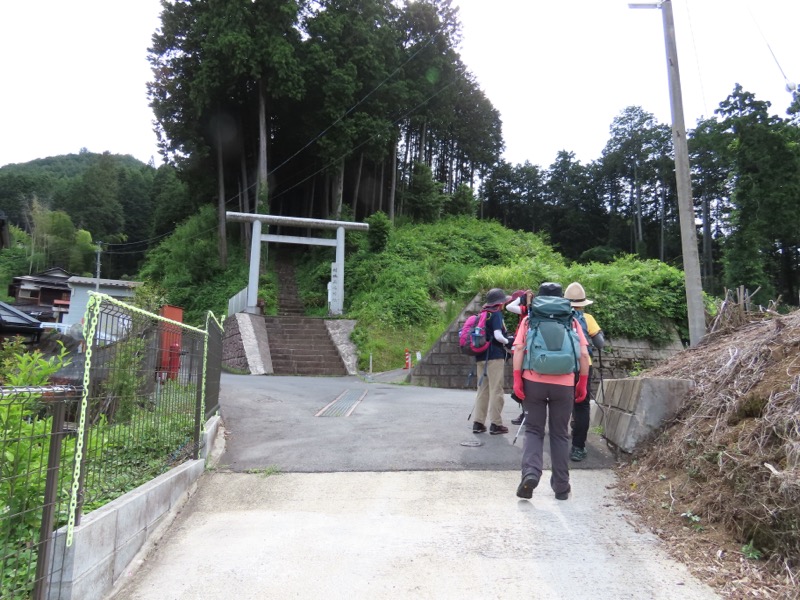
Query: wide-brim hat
x=577 y=295
x=496 y=296
x=549 y=288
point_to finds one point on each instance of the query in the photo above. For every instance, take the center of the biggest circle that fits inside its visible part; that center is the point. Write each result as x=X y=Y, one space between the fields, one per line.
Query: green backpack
x=552 y=345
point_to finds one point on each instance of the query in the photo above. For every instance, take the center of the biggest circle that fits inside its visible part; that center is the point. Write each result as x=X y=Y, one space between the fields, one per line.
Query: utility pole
x=691 y=257
x=97 y=271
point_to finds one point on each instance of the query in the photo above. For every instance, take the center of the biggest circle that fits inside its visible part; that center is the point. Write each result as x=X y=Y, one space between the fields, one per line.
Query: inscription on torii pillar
x=336 y=285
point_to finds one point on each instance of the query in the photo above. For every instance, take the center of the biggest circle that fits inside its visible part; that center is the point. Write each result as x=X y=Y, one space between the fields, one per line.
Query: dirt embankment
x=721 y=483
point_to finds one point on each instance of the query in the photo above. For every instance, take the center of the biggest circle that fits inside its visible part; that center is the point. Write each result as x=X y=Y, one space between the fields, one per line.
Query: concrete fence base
x=109 y=538
x=630 y=410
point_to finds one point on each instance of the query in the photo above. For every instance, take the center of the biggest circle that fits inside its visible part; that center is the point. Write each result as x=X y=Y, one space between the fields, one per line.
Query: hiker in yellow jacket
x=591 y=330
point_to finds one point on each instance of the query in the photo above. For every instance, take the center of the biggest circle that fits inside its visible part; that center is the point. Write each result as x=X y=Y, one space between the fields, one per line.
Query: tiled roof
x=90 y=281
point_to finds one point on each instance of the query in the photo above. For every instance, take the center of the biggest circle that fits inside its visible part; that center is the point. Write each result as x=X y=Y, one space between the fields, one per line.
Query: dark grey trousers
x=552 y=405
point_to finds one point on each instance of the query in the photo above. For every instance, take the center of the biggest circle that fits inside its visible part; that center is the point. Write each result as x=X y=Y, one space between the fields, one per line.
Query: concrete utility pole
x=691 y=257
x=97 y=277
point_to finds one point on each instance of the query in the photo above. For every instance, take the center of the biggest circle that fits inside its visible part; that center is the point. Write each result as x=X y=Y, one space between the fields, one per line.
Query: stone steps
x=299 y=345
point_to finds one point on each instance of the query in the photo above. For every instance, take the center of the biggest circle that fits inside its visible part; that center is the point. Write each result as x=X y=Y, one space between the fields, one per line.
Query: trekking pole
x=602 y=389
x=521 y=425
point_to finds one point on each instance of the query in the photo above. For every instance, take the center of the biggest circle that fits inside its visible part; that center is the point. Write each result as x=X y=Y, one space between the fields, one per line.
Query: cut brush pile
x=721 y=483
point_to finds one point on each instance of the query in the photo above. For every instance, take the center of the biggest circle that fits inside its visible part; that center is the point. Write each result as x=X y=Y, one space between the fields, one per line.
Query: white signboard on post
x=335 y=300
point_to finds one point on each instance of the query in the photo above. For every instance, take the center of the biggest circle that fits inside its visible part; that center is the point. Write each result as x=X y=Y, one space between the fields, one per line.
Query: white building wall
x=79 y=300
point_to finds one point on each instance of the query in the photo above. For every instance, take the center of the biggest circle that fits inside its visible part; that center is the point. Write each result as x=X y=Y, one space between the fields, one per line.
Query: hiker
x=520 y=300
x=491 y=362
x=548 y=397
x=591 y=330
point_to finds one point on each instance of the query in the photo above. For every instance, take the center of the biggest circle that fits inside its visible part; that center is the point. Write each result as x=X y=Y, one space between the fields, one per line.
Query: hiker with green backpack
x=549 y=350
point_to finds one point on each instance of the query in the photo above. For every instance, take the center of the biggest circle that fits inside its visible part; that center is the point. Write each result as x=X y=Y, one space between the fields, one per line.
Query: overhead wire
x=697 y=60
x=369 y=139
x=147 y=241
x=309 y=143
x=790 y=86
x=352 y=108
x=329 y=127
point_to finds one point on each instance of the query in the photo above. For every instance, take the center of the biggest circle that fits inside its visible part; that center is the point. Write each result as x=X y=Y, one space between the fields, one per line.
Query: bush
x=380 y=228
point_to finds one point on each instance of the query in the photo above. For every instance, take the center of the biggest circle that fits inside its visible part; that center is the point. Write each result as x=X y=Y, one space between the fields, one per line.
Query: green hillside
x=405 y=285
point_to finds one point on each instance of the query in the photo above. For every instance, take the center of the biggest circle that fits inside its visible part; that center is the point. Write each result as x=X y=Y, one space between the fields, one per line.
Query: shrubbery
x=408 y=294
x=406 y=283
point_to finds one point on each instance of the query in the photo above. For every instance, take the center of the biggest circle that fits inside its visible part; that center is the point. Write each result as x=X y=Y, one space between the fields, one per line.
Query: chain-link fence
x=37 y=457
x=140 y=399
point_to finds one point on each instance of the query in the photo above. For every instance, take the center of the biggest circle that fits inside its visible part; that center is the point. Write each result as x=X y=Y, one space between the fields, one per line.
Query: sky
x=74 y=73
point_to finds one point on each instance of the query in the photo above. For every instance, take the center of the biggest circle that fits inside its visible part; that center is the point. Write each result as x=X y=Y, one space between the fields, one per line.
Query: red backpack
x=472 y=338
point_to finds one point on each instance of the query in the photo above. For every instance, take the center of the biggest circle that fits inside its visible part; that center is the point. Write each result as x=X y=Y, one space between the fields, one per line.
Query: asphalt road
x=388 y=503
x=270 y=422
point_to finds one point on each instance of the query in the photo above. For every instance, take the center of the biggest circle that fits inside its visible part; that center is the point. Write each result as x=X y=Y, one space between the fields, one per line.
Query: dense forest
x=344 y=108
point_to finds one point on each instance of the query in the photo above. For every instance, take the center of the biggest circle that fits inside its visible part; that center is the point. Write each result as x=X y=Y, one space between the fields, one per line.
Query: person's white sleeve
x=515 y=306
x=498 y=335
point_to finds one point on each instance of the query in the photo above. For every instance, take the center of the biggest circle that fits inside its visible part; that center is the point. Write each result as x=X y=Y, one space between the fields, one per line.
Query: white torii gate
x=336 y=291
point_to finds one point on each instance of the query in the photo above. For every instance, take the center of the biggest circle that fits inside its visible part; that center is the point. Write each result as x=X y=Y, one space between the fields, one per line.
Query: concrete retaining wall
x=245 y=344
x=633 y=409
x=444 y=366
x=107 y=539
x=340 y=330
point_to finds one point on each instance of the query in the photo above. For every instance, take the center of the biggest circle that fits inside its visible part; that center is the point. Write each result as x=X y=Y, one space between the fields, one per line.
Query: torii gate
x=336 y=286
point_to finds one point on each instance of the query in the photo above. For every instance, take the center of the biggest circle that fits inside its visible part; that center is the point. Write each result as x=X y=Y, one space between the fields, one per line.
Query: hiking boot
x=526 y=486
x=563 y=495
x=479 y=427
x=518 y=420
x=497 y=429
x=578 y=454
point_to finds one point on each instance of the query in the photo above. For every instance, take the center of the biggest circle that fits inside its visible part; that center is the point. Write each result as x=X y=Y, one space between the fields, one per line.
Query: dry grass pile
x=731 y=460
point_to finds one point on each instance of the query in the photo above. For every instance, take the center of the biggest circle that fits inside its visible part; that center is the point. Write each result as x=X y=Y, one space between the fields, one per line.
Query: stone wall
x=445 y=367
x=233 y=354
x=245 y=345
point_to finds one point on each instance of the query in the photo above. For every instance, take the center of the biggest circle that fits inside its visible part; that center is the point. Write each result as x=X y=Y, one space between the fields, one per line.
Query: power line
x=697 y=60
x=147 y=241
x=328 y=128
x=369 y=139
x=790 y=86
x=352 y=108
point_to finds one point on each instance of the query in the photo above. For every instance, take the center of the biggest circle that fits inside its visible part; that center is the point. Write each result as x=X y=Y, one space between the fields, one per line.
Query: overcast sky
x=74 y=73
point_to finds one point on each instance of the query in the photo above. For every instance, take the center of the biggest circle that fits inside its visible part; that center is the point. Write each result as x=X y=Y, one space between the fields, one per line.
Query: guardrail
x=238 y=302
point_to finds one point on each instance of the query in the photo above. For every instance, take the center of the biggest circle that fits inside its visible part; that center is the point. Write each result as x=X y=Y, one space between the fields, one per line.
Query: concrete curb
x=111 y=539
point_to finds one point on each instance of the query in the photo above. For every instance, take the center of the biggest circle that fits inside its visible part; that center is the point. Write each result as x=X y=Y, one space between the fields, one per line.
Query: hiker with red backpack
x=549 y=351
x=492 y=344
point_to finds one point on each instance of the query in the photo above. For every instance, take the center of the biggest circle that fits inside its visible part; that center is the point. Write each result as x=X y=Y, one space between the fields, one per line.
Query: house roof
x=91 y=282
x=55 y=277
x=16 y=321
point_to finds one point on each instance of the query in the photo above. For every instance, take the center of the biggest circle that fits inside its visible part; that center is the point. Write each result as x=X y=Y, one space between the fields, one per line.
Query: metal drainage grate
x=343 y=405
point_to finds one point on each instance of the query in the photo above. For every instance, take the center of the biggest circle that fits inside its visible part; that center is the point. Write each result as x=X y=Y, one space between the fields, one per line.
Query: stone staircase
x=299 y=345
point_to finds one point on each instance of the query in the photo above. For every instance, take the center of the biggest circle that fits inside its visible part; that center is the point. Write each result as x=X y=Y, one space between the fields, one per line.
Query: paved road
x=387 y=503
x=270 y=423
